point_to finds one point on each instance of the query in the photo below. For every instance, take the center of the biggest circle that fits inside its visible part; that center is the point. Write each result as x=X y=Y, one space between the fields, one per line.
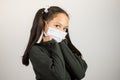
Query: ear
x=46 y=26
x=46 y=23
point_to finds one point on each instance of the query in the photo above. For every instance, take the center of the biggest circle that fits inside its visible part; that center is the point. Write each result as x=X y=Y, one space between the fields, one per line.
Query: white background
x=94 y=30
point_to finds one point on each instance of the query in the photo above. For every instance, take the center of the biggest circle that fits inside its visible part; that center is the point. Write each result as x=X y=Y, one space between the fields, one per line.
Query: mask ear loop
x=40 y=39
x=44 y=33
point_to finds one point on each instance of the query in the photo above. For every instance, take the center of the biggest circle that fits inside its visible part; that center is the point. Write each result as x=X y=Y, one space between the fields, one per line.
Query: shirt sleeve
x=76 y=65
x=48 y=67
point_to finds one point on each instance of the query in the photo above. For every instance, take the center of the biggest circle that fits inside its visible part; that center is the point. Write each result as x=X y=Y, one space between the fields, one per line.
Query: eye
x=57 y=26
x=65 y=29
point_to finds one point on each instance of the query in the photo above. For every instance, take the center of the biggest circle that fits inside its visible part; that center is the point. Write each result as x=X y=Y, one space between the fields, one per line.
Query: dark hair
x=37 y=27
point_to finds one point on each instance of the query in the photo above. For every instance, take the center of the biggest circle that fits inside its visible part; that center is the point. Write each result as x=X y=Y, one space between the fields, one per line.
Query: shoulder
x=35 y=50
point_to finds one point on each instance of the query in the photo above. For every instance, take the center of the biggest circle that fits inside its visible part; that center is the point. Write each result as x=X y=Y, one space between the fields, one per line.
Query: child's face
x=60 y=22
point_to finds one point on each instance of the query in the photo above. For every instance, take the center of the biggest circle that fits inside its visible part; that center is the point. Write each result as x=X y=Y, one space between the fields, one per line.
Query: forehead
x=60 y=18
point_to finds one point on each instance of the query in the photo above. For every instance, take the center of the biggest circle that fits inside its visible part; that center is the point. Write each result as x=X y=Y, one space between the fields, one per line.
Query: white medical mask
x=56 y=34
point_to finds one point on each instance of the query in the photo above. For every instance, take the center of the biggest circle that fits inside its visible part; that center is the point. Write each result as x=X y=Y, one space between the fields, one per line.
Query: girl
x=50 y=50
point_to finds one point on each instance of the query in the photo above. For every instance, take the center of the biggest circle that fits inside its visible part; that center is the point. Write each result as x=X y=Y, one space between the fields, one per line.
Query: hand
x=47 y=38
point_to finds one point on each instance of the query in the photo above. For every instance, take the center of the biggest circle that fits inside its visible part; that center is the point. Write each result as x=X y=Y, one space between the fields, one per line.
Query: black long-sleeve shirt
x=55 y=61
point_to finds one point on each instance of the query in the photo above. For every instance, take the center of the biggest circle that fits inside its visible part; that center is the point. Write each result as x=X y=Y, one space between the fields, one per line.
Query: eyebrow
x=61 y=24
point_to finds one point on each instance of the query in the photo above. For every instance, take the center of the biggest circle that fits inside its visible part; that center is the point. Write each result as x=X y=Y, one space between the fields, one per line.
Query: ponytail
x=36 y=30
